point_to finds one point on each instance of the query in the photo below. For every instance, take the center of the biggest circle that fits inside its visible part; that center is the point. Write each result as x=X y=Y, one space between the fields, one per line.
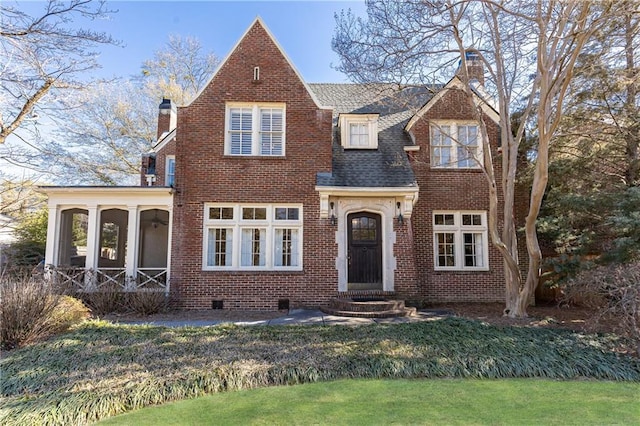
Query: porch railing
x=151 y=279
x=111 y=279
x=68 y=278
x=108 y=279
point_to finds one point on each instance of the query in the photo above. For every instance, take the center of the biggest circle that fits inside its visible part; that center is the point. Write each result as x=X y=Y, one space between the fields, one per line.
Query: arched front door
x=364 y=251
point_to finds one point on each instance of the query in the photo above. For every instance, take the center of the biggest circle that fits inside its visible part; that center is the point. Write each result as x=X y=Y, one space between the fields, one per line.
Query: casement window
x=170 y=172
x=460 y=240
x=252 y=237
x=255 y=129
x=359 y=131
x=456 y=145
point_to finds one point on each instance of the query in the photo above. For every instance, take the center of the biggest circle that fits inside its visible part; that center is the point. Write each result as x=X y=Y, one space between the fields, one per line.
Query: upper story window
x=456 y=145
x=359 y=131
x=255 y=129
x=250 y=237
x=460 y=240
x=170 y=172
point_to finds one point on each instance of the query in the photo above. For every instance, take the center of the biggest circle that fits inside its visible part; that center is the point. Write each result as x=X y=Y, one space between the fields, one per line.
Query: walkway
x=305 y=317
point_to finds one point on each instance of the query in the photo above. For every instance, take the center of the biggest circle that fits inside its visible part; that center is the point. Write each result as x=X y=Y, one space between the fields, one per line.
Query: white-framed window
x=460 y=240
x=456 y=145
x=359 y=131
x=255 y=129
x=170 y=170
x=252 y=237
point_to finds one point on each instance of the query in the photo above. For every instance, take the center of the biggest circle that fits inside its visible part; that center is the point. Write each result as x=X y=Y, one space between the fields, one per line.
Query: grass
x=373 y=402
x=102 y=369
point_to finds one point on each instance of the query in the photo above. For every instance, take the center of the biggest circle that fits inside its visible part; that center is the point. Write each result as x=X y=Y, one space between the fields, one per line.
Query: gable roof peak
x=257 y=21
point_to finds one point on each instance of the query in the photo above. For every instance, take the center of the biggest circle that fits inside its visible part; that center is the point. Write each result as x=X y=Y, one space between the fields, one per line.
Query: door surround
x=386 y=208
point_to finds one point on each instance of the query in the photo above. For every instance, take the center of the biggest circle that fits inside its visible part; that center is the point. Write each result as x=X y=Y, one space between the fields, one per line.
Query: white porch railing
x=109 y=279
x=73 y=278
x=151 y=279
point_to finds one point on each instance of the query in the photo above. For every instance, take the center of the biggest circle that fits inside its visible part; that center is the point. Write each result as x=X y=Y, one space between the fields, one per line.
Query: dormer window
x=359 y=131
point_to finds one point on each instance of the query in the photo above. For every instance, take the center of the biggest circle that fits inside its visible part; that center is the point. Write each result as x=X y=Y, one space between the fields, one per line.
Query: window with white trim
x=456 y=145
x=255 y=129
x=170 y=173
x=460 y=240
x=359 y=131
x=252 y=237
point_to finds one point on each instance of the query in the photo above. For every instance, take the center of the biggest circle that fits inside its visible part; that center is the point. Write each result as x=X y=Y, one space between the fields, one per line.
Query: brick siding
x=205 y=175
x=451 y=189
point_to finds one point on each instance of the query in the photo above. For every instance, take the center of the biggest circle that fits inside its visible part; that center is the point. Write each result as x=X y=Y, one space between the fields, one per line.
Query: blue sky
x=303 y=28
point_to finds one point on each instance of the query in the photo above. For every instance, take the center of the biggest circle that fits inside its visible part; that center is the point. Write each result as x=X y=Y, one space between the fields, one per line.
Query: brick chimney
x=167 y=117
x=475 y=68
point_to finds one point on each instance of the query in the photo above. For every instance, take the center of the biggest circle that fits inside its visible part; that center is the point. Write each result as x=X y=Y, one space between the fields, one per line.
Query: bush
x=31 y=311
x=614 y=291
x=146 y=302
x=112 y=299
x=105 y=301
x=68 y=312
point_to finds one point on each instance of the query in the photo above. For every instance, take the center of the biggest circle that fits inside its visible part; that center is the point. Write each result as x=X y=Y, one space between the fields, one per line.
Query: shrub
x=614 y=291
x=112 y=299
x=146 y=302
x=68 y=312
x=31 y=311
x=104 y=301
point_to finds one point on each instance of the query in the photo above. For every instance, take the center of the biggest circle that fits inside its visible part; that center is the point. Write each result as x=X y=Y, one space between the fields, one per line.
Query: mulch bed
x=575 y=318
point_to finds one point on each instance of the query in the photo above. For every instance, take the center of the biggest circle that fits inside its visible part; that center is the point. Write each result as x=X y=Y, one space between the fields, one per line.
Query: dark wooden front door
x=365 y=251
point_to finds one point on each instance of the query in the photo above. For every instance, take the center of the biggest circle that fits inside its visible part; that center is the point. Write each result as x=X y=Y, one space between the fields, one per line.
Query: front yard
x=407 y=402
x=102 y=369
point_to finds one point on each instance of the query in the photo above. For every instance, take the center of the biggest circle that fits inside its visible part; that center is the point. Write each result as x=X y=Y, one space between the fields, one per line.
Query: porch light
x=400 y=218
x=333 y=219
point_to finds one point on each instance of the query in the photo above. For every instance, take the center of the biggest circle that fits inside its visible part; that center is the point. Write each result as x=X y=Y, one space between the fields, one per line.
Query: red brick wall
x=406 y=283
x=161 y=161
x=451 y=189
x=204 y=174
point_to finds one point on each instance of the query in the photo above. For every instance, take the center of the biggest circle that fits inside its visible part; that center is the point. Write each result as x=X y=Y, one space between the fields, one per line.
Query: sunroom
x=109 y=238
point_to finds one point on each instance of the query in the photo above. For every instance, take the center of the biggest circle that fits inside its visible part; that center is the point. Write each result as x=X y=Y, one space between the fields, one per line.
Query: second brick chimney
x=167 y=117
x=475 y=68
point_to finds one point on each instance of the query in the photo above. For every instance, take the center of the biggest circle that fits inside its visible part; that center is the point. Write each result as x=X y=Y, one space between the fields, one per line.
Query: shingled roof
x=387 y=166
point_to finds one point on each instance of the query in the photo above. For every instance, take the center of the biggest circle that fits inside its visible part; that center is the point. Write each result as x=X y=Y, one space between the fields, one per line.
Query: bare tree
x=44 y=54
x=114 y=123
x=179 y=70
x=529 y=51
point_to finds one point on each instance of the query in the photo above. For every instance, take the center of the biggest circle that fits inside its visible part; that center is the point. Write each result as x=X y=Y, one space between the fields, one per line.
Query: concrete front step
x=393 y=313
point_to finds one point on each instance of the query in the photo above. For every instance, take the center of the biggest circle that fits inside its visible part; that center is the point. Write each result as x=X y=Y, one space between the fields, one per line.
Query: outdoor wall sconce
x=333 y=219
x=400 y=218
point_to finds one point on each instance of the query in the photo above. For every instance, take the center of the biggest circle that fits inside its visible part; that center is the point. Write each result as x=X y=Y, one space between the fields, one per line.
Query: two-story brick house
x=267 y=192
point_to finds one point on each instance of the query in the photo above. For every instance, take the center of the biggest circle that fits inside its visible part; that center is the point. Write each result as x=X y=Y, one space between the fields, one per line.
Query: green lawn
x=101 y=369
x=377 y=402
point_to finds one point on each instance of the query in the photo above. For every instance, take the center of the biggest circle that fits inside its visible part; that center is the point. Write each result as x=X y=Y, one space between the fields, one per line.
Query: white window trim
x=370 y=120
x=255 y=127
x=458 y=229
x=270 y=224
x=453 y=124
x=167 y=161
